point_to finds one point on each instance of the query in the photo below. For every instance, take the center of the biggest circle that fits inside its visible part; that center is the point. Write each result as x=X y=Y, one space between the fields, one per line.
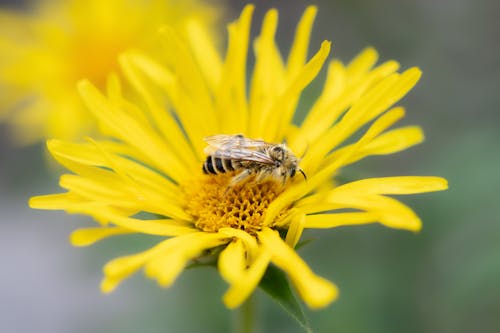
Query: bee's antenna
x=303 y=174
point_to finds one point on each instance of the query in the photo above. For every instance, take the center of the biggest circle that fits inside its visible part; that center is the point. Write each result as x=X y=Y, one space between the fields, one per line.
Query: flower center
x=215 y=205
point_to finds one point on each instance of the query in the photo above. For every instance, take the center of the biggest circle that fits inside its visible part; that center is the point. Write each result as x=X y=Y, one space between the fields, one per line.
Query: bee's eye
x=292 y=173
x=277 y=149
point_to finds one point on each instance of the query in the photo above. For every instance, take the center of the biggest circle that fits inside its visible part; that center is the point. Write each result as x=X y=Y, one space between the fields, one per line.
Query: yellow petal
x=334 y=220
x=88 y=236
x=132 y=64
x=298 y=53
x=139 y=135
x=295 y=230
x=119 y=269
x=167 y=266
x=390 y=212
x=315 y=156
x=52 y=201
x=374 y=102
x=314 y=290
x=394 y=141
x=190 y=93
x=294 y=193
x=395 y=185
x=268 y=79
x=248 y=240
x=81 y=159
x=339 y=92
x=386 y=95
x=327 y=171
x=241 y=288
x=389 y=142
x=231 y=93
x=232 y=261
x=205 y=53
x=362 y=63
x=162 y=227
x=164 y=261
x=282 y=110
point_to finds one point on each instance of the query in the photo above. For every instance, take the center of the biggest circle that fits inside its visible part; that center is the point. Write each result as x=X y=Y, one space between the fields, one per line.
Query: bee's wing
x=242 y=154
x=224 y=142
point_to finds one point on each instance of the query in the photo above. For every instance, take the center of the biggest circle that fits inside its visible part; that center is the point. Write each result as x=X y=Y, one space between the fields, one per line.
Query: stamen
x=215 y=205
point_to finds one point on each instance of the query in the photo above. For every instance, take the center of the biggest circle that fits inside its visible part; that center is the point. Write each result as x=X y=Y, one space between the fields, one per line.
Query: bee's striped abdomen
x=216 y=165
x=228 y=165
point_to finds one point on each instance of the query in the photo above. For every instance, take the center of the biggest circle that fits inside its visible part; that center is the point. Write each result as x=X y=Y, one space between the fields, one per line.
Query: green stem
x=246 y=315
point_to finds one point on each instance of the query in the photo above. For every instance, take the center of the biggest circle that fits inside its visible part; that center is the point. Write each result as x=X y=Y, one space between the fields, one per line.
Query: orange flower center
x=215 y=205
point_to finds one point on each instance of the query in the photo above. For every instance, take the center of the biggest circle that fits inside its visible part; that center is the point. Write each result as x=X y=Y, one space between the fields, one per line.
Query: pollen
x=215 y=205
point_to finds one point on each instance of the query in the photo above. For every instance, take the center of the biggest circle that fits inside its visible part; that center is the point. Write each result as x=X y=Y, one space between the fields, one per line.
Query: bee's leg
x=261 y=176
x=239 y=178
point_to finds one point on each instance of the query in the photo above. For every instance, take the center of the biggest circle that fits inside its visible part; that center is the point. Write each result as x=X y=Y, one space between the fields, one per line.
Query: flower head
x=45 y=52
x=153 y=164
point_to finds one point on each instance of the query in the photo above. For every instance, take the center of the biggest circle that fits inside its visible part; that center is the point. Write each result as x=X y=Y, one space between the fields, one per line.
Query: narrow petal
x=248 y=240
x=132 y=64
x=169 y=264
x=314 y=290
x=161 y=227
x=164 y=261
x=52 y=201
x=389 y=212
x=393 y=141
x=240 y=289
x=191 y=93
x=327 y=171
x=339 y=93
x=389 y=142
x=298 y=53
x=112 y=192
x=231 y=94
x=268 y=79
x=295 y=230
x=317 y=152
x=119 y=269
x=205 y=53
x=376 y=103
x=296 y=192
x=139 y=135
x=395 y=185
x=334 y=220
x=282 y=111
x=232 y=261
x=89 y=236
x=373 y=103
x=362 y=63
x=82 y=158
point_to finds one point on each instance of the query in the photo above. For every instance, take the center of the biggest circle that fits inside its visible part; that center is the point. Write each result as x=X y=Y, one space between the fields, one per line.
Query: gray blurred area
x=443 y=279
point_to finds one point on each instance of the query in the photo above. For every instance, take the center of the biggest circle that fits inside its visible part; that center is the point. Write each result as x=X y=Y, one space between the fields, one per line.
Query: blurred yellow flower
x=148 y=177
x=45 y=51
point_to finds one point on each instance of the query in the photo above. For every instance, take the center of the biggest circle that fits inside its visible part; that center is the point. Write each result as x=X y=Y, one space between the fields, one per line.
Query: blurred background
x=443 y=279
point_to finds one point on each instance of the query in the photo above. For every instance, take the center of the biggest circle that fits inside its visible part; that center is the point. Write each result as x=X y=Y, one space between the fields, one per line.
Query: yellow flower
x=148 y=178
x=44 y=53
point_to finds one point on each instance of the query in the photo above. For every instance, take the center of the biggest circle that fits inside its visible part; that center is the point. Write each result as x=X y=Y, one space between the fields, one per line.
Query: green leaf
x=276 y=284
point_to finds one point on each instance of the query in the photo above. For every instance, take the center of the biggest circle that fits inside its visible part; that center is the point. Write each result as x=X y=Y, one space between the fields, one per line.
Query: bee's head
x=286 y=162
x=278 y=153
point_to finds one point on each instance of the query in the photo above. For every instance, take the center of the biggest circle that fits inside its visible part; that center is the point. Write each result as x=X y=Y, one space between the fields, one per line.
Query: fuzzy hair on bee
x=249 y=157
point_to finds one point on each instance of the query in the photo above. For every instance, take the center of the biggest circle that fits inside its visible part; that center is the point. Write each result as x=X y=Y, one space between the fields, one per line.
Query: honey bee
x=226 y=153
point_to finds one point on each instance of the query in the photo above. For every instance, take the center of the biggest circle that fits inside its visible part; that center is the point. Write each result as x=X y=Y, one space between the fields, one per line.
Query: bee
x=227 y=153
